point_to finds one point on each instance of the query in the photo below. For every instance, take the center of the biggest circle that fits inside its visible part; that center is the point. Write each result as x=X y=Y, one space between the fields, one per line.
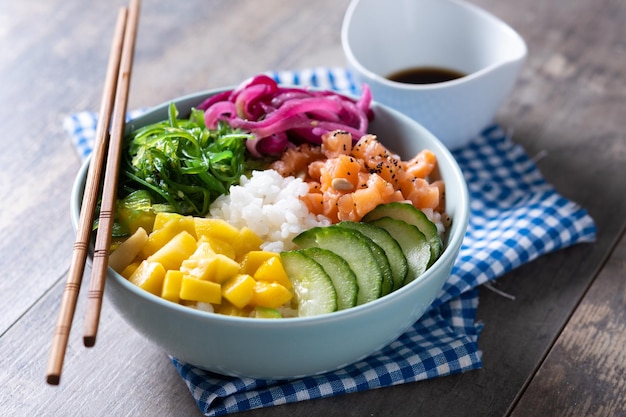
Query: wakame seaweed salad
x=183 y=165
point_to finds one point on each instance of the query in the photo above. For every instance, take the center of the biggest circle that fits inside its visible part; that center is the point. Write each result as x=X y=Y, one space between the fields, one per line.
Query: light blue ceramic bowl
x=296 y=347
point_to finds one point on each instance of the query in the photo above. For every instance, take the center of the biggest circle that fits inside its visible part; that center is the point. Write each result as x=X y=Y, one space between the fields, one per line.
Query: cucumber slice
x=383 y=264
x=306 y=239
x=355 y=249
x=390 y=246
x=340 y=274
x=413 y=243
x=314 y=289
x=412 y=215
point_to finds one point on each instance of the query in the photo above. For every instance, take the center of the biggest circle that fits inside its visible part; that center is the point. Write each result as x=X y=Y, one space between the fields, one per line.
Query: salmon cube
x=336 y=143
x=421 y=165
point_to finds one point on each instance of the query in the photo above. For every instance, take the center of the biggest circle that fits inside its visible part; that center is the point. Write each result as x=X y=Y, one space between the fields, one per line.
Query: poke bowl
x=310 y=336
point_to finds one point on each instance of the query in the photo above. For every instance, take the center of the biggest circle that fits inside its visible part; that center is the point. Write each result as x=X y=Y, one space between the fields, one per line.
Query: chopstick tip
x=89 y=341
x=53 y=379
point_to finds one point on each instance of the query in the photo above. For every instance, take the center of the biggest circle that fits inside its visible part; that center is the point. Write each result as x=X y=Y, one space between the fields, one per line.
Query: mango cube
x=228 y=309
x=238 y=290
x=205 y=264
x=130 y=269
x=166 y=226
x=171 y=285
x=216 y=228
x=253 y=260
x=198 y=264
x=193 y=289
x=162 y=218
x=272 y=270
x=246 y=241
x=174 y=252
x=223 y=268
x=219 y=246
x=270 y=295
x=149 y=276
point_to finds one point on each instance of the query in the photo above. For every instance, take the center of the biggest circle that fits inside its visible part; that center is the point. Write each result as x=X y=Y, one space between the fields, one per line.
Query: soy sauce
x=425 y=75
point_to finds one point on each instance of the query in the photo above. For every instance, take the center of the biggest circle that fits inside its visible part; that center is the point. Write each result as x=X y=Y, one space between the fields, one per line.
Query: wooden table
x=556 y=350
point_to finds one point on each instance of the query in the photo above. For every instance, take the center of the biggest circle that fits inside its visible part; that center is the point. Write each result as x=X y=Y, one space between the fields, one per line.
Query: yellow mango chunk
x=205 y=264
x=193 y=289
x=270 y=295
x=253 y=260
x=217 y=228
x=246 y=241
x=238 y=290
x=224 y=268
x=171 y=285
x=174 y=252
x=128 y=250
x=132 y=267
x=219 y=246
x=169 y=225
x=149 y=276
x=162 y=218
x=198 y=264
x=272 y=270
x=228 y=309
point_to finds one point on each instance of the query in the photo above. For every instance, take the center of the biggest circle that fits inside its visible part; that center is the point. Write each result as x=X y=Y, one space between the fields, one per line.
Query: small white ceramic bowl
x=294 y=347
x=381 y=38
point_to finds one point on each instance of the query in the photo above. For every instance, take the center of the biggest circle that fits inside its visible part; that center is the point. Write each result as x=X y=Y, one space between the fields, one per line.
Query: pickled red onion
x=279 y=116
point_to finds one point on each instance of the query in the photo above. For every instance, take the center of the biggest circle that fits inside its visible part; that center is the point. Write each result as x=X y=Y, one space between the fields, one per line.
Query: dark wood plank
x=122 y=375
x=47 y=69
x=585 y=371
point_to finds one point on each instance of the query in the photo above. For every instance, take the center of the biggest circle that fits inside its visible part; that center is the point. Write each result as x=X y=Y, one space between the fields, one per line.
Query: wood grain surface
x=585 y=371
x=556 y=349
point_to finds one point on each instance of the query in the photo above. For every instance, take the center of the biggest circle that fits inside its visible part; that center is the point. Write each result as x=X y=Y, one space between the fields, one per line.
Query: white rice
x=435 y=217
x=269 y=205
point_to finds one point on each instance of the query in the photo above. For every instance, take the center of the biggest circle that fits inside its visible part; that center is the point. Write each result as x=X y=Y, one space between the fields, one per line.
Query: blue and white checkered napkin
x=515 y=217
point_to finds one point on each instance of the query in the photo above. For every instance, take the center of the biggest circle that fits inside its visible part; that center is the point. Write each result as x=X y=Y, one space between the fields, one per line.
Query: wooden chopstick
x=113 y=104
x=109 y=190
x=88 y=208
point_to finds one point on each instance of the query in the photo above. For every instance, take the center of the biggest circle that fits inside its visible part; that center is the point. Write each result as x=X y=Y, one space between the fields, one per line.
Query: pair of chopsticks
x=112 y=114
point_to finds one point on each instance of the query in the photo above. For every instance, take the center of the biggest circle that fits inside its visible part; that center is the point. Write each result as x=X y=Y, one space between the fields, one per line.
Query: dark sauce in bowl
x=425 y=75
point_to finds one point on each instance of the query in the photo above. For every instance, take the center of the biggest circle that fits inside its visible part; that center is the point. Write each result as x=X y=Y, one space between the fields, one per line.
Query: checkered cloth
x=515 y=217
